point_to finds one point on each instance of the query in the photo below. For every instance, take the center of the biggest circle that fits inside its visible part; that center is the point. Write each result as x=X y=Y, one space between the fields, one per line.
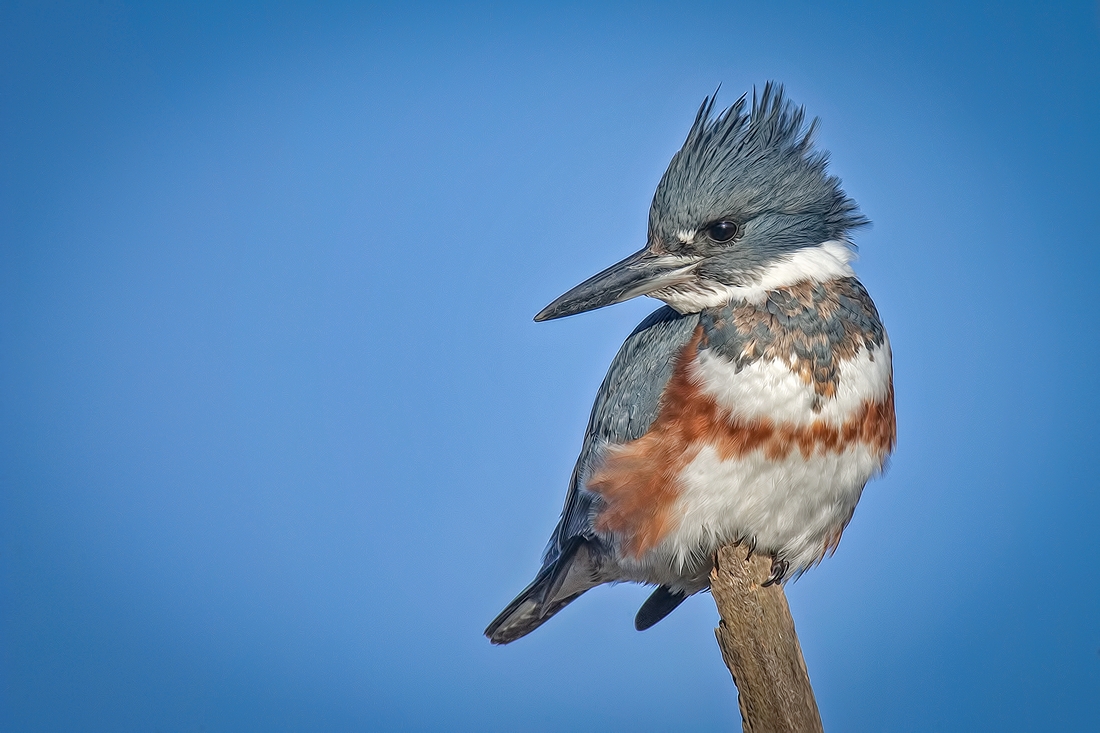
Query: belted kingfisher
x=754 y=406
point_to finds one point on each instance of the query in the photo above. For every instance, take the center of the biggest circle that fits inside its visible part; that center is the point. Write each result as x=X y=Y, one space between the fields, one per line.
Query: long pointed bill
x=641 y=273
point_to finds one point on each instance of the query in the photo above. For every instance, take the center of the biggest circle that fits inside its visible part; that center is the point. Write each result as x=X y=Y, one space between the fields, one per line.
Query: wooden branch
x=760 y=647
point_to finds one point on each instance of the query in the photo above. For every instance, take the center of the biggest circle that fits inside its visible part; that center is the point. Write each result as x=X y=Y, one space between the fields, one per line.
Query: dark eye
x=723 y=231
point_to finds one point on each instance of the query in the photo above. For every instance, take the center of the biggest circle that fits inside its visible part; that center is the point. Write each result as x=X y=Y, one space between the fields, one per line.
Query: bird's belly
x=794 y=506
x=753 y=454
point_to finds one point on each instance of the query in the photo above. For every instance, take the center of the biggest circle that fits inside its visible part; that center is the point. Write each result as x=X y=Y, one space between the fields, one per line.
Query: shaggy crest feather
x=740 y=164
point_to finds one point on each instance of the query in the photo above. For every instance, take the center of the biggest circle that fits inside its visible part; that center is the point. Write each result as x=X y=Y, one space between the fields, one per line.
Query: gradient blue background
x=279 y=437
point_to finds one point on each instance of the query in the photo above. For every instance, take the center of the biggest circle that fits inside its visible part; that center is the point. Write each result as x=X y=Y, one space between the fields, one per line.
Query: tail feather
x=660 y=603
x=555 y=587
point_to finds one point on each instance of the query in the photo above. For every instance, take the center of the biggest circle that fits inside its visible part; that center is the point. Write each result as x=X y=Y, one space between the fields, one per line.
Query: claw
x=779 y=571
x=752 y=548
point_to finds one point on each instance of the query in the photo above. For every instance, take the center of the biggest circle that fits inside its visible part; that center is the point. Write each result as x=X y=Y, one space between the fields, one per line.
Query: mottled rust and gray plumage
x=816 y=325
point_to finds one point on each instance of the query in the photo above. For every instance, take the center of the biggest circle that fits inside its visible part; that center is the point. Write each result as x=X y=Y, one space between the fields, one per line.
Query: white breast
x=768 y=389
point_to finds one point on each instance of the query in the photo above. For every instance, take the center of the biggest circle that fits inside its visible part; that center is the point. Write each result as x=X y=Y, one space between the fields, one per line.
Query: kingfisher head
x=745 y=206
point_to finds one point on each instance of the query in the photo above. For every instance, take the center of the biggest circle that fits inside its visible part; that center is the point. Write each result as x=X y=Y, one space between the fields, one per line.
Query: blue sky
x=279 y=436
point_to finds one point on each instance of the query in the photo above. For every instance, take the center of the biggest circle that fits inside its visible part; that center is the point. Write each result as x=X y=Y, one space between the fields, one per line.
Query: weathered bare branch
x=759 y=645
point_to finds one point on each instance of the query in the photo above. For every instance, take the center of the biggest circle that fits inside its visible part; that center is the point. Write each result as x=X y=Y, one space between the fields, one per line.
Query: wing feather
x=626 y=405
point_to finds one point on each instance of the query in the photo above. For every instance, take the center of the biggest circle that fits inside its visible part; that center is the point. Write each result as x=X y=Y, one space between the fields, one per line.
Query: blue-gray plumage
x=755 y=407
x=625 y=407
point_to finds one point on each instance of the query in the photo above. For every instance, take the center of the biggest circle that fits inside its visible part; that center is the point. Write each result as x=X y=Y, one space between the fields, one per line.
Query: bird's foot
x=752 y=547
x=779 y=571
